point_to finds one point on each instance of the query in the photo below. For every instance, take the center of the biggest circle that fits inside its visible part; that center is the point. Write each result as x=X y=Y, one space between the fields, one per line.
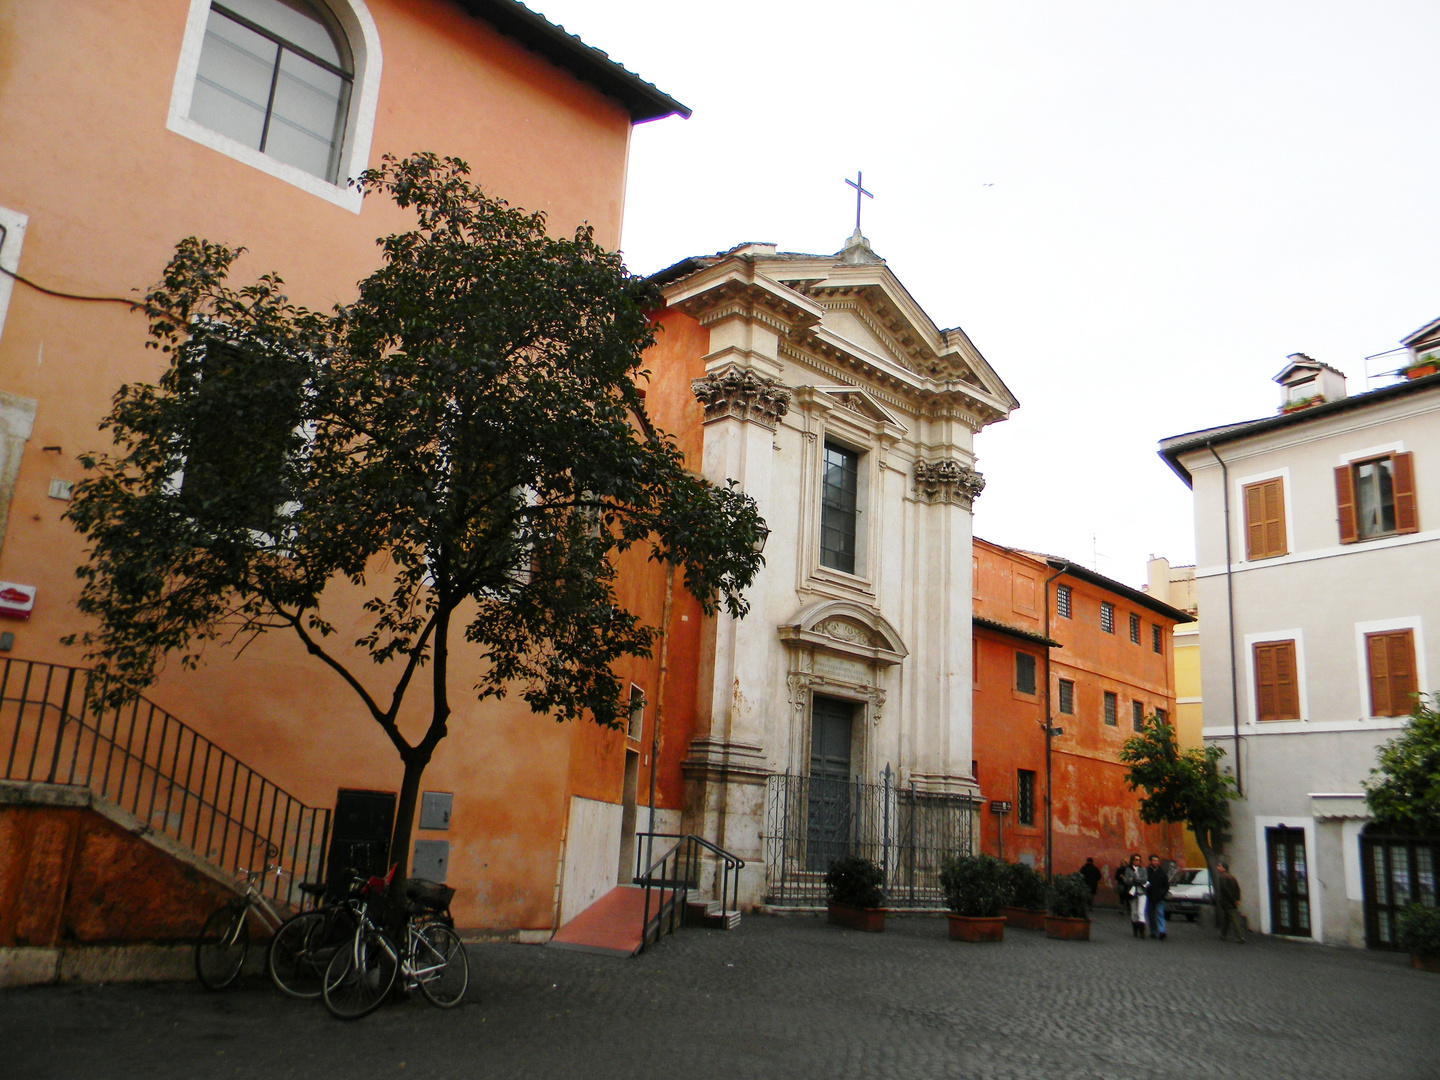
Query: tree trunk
x=415 y=763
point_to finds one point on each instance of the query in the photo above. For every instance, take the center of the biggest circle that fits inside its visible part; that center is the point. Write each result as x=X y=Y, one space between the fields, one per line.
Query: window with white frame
x=839 y=507
x=288 y=87
x=276 y=75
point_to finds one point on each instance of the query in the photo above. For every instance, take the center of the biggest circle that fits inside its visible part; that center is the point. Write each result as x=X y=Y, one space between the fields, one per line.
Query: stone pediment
x=860 y=403
x=848 y=629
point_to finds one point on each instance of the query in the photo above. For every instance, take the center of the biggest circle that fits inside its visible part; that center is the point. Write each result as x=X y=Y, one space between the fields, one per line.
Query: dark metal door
x=360 y=837
x=828 y=837
x=1289 y=881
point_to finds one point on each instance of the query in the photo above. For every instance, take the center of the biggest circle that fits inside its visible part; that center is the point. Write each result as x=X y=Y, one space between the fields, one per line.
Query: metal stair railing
x=669 y=880
x=160 y=770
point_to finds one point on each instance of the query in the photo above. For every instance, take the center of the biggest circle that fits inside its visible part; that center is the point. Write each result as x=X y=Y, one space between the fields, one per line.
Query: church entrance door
x=831 y=721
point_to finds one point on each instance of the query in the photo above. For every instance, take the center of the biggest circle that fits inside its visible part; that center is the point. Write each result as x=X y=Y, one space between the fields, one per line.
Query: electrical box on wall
x=432 y=857
x=435 y=809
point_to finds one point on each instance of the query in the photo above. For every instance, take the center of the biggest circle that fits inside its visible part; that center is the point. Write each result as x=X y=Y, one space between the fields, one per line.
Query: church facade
x=824 y=391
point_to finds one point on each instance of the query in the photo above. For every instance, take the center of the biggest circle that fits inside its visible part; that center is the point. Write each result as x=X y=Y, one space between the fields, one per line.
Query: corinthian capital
x=948 y=482
x=742 y=394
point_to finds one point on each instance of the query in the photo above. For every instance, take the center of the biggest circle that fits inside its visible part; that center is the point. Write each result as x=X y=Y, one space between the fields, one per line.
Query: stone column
x=726 y=766
x=946 y=489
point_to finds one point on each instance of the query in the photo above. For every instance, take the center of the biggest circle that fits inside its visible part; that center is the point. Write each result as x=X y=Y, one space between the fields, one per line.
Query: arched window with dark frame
x=276 y=75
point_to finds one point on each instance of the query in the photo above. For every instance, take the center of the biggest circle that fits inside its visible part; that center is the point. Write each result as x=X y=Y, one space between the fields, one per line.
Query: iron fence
x=160 y=770
x=812 y=820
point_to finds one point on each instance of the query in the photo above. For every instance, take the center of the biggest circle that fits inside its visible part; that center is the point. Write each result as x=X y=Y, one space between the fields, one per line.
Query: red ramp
x=612 y=926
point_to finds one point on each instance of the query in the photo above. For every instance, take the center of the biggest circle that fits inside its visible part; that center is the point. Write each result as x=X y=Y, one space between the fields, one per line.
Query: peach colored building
x=1105 y=650
x=239 y=121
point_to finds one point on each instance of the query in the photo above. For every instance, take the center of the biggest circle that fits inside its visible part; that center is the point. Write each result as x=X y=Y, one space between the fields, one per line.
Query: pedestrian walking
x=1157 y=888
x=1133 y=878
x=1091 y=873
x=1229 y=893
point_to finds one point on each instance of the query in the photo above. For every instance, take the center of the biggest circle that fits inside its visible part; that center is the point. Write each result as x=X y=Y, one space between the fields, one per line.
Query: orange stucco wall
x=109 y=190
x=1095 y=814
x=67 y=874
x=597 y=762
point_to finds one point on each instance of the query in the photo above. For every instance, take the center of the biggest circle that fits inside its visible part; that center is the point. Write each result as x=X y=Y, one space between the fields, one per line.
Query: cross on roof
x=858 y=185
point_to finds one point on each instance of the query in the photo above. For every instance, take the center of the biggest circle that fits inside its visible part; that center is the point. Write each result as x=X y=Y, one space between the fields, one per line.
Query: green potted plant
x=855 y=887
x=1026 y=907
x=1067 y=902
x=976 y=888
x=1417 y=928
x=1302 y=403
x=1421 y=366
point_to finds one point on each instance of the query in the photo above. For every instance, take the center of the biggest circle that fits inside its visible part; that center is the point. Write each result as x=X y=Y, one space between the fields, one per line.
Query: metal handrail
x=161 y=770
x=674 y=874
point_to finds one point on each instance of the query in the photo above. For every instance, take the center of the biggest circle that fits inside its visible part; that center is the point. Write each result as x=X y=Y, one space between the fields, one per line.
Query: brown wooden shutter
x=1277 y=692
x=1265 y=519
x=1287 y=690
x=1376 y=659
x=1402 y=481
x=1274 y=499
x=1264 y=682
x=1254 y=522
x=1345 y=501
x=1391 y=658
x=1401 y=648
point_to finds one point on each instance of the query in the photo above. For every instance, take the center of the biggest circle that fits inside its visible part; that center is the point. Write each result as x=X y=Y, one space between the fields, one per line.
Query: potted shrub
x=856 y=889
x=1026 y=907
x=1418 y=932
x=976 y=888
x=1428 y=364
x=1068 y=906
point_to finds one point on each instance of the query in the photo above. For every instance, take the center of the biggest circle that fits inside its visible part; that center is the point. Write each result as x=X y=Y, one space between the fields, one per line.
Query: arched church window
x=276 y=76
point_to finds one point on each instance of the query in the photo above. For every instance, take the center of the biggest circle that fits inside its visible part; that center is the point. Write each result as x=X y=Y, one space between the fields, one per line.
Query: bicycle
x=433 y=959
x=224 y=940
x=303 y=945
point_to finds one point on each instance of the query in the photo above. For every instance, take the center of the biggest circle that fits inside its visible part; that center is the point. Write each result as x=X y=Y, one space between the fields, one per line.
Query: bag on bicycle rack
x=429 y=895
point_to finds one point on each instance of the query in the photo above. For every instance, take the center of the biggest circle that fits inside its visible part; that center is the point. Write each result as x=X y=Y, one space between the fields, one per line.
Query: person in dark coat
x=1229 y=894
x=1091 y=873
x=1157 y=888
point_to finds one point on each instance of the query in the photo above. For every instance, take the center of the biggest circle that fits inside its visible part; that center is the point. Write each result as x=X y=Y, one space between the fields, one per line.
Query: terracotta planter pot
x=966 y=928
x=1064 y=929
x=1425 y=963
x=1024 y=918
x=1421 y=372
x=870 y=919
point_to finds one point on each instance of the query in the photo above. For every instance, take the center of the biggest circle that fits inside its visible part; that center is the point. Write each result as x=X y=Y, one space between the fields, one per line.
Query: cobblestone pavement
x=789 y=997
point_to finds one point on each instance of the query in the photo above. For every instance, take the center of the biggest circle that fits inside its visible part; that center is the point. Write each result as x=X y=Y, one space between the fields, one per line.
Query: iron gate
x=810 y=821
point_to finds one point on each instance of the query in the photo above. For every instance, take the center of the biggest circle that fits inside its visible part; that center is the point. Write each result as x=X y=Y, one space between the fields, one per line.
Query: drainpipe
x=1049 y=734
x=659 y=708
x=1230 y=620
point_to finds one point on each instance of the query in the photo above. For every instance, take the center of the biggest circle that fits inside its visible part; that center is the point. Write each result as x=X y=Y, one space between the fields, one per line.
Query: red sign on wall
x=16 y=601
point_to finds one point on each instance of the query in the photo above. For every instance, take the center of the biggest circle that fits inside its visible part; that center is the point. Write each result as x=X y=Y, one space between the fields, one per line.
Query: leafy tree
x=463 y=448
x=1404 y=791
x=1184 y=786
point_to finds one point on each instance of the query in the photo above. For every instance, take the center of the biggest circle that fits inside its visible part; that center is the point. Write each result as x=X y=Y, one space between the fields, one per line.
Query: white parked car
x=1189 y=893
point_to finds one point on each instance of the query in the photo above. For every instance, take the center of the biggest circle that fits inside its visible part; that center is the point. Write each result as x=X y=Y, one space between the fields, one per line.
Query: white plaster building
x=1318 y=572
x=835 y=401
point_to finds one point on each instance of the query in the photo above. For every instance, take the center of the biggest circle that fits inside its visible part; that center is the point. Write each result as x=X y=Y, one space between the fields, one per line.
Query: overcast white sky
x=1183 y=194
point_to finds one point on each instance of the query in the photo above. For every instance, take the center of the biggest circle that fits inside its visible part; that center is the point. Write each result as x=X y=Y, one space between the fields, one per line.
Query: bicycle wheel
x=301 y=950
x=360 y=975
x=220 y=950
x=441 y=966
